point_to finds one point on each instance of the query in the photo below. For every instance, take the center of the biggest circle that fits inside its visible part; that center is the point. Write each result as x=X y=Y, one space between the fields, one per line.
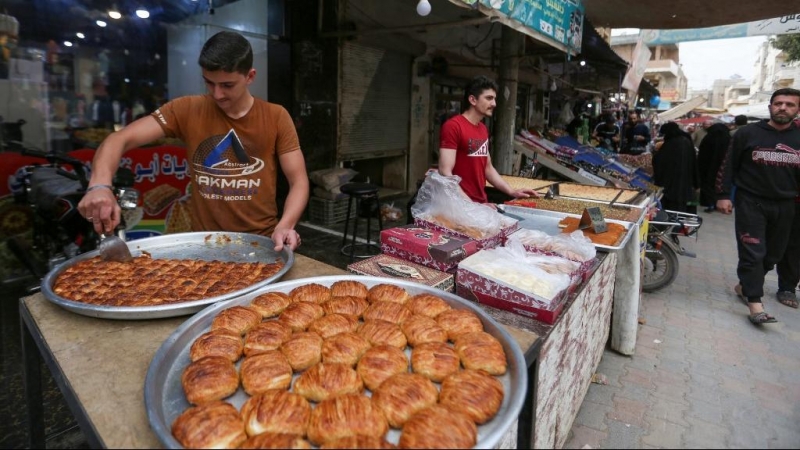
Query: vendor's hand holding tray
x=165 y=399
x=206 y=246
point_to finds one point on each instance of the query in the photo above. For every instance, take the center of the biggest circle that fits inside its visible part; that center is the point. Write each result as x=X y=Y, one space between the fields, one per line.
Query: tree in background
x=789 y=43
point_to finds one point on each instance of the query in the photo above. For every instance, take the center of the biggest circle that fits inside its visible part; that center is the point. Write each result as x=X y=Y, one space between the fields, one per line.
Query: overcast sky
x=706 y=61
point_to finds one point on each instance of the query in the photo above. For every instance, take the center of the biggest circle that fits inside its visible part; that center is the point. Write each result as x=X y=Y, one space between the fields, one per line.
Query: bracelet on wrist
x=100 y=186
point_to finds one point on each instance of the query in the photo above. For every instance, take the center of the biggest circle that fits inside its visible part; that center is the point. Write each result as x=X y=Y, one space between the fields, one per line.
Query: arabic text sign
x=789 y=24
x=558 y=20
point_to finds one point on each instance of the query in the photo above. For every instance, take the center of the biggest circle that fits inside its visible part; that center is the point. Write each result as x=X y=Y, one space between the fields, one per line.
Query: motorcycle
x=53 y=190
x=663 y=247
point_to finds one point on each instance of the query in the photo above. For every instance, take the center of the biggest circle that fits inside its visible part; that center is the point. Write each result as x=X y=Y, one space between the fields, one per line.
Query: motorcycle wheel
x=660 y=268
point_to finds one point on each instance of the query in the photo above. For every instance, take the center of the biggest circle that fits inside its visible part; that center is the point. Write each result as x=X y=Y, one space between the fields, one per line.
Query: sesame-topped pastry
x=387 y=293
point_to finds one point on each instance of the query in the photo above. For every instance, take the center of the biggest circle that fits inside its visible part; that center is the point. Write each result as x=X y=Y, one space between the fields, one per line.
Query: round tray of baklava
x=165 y=277
x=337 y=362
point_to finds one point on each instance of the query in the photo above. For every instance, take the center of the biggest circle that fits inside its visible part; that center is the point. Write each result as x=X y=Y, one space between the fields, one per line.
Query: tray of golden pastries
x=337 y=362
x=554 y=222
x=170 y=275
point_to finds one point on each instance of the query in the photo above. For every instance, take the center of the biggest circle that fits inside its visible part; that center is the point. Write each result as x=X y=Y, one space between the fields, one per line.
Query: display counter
x=100 y=365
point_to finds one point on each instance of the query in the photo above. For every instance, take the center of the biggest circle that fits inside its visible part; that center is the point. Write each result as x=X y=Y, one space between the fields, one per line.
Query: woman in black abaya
x=713 y=148
x=675 y=169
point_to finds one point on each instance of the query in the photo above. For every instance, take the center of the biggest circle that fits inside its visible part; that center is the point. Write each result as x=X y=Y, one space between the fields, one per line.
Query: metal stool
x=364 y=194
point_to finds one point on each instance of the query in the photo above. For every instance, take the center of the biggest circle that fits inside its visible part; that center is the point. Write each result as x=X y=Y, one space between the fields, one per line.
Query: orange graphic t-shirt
x=233 y=163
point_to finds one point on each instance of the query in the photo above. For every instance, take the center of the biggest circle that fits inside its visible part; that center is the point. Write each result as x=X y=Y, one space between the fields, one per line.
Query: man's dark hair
x=784 y=91
x=740 y=120
x=227 y=51
x=476 y=86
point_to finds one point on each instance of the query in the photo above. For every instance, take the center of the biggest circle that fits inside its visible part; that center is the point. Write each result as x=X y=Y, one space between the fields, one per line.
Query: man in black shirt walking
x=764 y=164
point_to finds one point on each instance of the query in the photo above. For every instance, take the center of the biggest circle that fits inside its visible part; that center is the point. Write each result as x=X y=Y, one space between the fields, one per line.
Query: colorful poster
x=560 y=21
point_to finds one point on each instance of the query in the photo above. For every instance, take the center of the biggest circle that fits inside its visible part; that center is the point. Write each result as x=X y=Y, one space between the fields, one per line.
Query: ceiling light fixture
x=583 y=63
x=80 y=35
x=114 y=14
x=101 y=23
x=143 y=13
x=67 y=44
x=423 y=8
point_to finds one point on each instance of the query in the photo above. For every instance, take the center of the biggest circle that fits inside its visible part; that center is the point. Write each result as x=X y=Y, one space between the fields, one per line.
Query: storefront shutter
x=375 y=93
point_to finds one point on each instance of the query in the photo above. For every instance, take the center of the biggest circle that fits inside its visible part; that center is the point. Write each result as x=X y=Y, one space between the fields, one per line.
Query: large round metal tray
x=208 y=246
x=165 y=401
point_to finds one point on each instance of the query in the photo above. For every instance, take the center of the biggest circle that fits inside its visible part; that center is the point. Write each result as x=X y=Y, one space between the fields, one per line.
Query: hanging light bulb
x=553 y=86
x=583 y=63
x=114 y=14
x=142 y=13
x=423 y=8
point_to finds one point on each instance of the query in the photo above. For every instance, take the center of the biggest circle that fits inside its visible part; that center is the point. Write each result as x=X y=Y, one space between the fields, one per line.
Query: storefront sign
x=789 y=24
x=559 y=22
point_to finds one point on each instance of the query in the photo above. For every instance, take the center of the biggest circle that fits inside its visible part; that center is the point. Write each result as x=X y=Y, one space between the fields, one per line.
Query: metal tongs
x=112 y=248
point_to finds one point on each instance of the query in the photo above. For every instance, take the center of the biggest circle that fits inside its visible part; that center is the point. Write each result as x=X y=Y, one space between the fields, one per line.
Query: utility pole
x=511 y=51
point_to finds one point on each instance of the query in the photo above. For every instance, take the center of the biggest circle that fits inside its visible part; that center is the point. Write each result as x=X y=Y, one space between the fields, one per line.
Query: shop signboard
x=788 y=24
x=641 y=55
x=557 y=22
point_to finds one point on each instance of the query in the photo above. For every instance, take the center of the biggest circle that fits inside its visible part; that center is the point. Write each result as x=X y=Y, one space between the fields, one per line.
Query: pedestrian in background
x=709 y=159
x=763 y=163
x=738 y=122
x=789 y=266
x=675 y=169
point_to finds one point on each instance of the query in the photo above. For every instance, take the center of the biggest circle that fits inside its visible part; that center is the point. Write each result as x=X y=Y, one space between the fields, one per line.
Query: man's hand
x=724 y=206
x=100 y=207
x=525 y=193
x=285 y=236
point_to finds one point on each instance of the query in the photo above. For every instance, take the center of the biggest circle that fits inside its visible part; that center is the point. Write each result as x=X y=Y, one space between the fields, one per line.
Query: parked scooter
x=53 y=191
x=663 y=247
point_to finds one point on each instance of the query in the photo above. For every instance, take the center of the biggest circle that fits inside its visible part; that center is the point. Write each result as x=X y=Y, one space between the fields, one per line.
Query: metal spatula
x=112 y=248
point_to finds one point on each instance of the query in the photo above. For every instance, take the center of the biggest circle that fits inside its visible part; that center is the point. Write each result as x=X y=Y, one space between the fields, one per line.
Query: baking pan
x=547 y=222
x=208 y=246
x=165 y=400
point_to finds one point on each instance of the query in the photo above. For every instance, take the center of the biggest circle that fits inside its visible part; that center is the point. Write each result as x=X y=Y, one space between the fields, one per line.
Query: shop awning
x=757 y=111
x=682 y=109
x=659 y=15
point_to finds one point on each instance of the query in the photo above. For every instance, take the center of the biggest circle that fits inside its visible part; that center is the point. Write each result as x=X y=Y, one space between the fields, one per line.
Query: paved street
x=703 y=376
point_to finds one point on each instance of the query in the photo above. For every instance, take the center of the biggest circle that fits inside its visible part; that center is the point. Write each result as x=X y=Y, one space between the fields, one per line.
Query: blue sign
x=558 y=20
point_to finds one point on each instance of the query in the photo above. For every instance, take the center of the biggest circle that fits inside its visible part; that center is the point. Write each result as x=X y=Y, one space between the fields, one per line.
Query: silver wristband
x=100 y=186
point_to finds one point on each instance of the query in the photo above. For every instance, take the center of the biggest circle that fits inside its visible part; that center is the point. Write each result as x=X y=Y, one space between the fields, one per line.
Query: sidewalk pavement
x=703 y=376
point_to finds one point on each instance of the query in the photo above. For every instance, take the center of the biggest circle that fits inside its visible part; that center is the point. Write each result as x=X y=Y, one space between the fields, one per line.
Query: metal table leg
x=526 y=425
x=32 y=369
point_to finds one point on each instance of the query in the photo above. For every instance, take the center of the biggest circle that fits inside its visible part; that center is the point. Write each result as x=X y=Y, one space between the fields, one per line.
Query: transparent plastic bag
x=440 y=200
x=391 y=213
x=574 y=246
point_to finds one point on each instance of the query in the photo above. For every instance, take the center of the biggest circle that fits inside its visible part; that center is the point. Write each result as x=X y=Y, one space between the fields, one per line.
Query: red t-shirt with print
x=471 y=143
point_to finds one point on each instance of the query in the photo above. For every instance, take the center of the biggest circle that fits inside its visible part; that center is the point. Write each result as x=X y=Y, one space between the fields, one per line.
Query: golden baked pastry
x=439 y=427
x=434 y=360
x=402 y=395
x=158 y=198
x=276 y=411
x=344 y=348
x=349 y=288
x=148 y=282
x=358 y=442
x=213 y=425
x=481 y=351
x=303 y=350
x=276 y=441
x=298 y=316
x=270 y=304
x=388 y=312
x=312 y=292
x=352 y=306
x=420 y=329
x=225 y=343
x=459 y=321
x=265 y=371
x=333 y=324
x=269 y=335
x=613 y=235
x=345 y=416
x=380 y=363
x=239 y=319
x=473 y=392
x=427 y=305
x=378 y=332
x=209 y=379
x=387 y=293
x=327 y=380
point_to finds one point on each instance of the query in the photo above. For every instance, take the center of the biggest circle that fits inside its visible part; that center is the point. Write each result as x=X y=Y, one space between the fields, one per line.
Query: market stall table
x=100 y=365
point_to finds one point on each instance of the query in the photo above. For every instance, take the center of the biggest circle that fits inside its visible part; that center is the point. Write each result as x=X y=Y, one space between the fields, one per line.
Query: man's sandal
x=761 y=317
x=787 y=298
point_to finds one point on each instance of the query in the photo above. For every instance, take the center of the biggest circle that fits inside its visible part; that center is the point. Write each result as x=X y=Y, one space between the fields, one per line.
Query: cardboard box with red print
x=398 y=269
x=431 y=248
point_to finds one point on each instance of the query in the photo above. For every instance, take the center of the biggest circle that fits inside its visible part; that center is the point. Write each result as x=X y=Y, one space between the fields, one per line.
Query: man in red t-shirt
x=464 y=145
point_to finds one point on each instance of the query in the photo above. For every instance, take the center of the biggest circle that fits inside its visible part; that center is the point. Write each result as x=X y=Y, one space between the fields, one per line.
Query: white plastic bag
x=440 y=200
x=575 y=246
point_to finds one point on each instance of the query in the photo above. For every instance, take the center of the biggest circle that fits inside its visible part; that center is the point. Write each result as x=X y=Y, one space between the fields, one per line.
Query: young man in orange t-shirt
x=235 y=144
